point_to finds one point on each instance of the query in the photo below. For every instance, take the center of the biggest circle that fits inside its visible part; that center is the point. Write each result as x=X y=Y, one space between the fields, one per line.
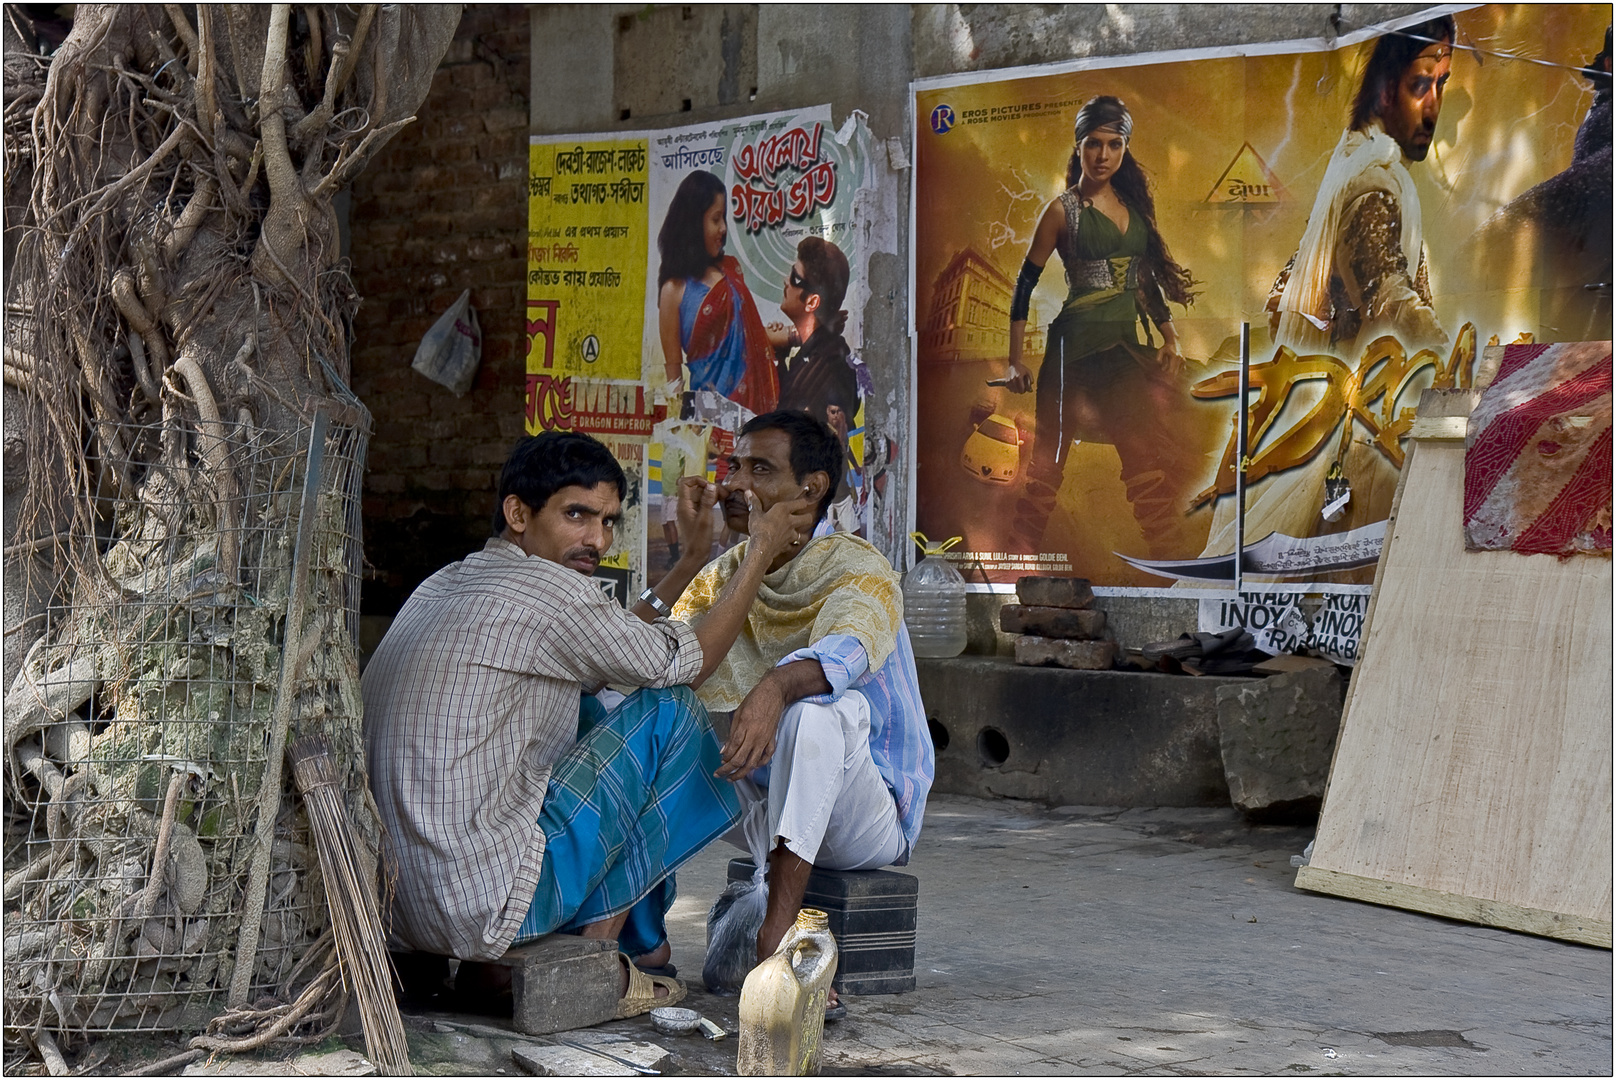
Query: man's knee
x=685 y=698
x=807 y=722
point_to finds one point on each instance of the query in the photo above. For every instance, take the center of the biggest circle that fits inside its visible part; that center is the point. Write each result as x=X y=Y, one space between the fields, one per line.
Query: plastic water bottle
x=934 y=602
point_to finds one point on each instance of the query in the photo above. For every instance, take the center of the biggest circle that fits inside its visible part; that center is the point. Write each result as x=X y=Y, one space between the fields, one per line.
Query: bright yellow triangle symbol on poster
x=1246 y=181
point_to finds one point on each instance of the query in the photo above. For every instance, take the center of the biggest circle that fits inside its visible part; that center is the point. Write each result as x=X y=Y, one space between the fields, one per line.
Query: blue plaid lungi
x=629 y=804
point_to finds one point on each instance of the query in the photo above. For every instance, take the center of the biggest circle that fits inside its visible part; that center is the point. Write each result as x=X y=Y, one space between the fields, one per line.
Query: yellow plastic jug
x=783 y=1002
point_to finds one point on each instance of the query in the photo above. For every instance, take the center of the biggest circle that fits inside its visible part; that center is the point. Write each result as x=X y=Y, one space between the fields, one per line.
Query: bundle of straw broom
x=361 y=948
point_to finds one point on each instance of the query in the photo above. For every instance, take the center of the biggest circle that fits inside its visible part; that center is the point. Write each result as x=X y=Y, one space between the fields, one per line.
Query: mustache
x=586 y=552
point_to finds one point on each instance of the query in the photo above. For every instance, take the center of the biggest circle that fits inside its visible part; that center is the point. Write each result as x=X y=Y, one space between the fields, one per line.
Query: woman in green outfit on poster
x=1098 y=381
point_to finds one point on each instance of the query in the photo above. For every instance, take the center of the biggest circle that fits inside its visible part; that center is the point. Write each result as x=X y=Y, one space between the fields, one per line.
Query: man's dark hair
x=1392 y=54
x=680 y=241
x=541 y=465
x=827 y=275
x=814 y=448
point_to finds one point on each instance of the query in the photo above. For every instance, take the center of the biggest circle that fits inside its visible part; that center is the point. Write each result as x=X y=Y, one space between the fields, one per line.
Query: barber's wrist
x=651 y=600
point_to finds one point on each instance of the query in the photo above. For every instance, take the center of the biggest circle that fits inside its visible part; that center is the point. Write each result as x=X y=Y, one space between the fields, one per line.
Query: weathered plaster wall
x=952 y=38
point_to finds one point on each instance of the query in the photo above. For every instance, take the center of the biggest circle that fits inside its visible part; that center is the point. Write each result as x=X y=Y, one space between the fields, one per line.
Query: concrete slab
x=1062 y=736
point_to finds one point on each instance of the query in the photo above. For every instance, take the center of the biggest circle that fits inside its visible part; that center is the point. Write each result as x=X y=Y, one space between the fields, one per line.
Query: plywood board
x=1472 y=775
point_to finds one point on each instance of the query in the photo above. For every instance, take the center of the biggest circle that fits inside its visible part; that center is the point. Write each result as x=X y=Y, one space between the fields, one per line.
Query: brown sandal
x=641 y=995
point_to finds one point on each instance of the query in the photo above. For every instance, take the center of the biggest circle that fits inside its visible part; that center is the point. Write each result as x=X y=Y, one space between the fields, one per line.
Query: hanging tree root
x=178 y=165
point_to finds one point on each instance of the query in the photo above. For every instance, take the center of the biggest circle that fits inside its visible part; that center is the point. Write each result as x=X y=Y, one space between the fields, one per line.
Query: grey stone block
x=1277 y=737
x=1052 y=652
x=562 y=982
x=565 y=1061
x=593 y=1054
x=1053 y=622
x=1054 y=592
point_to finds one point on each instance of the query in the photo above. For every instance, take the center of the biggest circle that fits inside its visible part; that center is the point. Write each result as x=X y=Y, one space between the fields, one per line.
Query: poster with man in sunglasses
x=774 y=222
x=818 y=372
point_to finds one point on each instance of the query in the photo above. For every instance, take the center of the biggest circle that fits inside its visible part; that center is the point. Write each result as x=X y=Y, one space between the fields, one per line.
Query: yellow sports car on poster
x=992 y=453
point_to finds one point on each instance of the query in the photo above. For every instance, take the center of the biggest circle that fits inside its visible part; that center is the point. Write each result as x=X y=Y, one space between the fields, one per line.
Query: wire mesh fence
x=142 y=730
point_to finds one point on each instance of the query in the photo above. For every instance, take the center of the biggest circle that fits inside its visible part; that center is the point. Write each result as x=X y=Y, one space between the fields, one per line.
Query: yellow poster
x=586 y=255
x=1089 y=239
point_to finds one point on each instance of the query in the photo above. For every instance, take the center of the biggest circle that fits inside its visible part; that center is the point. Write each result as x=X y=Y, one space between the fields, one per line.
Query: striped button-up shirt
x=471 y=697
x=900 y=742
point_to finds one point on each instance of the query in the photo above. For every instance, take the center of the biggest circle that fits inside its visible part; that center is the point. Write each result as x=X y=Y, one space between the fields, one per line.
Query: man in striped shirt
x=828 y=739
x=517 y=803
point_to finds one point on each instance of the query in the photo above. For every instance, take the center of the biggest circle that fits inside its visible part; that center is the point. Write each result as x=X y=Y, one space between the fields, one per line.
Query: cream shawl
x=1363 y=161
x=837 y=584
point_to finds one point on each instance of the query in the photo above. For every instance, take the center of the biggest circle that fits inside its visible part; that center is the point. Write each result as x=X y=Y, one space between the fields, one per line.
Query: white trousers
x=826 y=799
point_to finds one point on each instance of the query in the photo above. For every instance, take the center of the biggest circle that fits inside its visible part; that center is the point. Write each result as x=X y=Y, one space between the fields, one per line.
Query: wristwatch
x=658 y=605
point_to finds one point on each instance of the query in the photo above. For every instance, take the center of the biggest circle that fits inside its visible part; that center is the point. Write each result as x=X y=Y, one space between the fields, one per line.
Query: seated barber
x=828 y=734
x=517 y=803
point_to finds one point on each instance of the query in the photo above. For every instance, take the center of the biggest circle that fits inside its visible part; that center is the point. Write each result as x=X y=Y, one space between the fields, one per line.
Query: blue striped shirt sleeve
x=841 y=656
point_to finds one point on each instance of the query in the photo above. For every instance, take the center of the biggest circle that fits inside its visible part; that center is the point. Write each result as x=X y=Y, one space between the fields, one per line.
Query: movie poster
x=1375 y=240
x=662 y=323
x=586 y=245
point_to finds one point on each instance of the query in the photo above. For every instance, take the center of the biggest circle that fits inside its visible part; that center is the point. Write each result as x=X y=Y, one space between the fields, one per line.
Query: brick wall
x=444 y=208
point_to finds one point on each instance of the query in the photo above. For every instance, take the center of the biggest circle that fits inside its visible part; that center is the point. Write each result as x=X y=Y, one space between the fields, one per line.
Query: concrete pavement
x=1172 y=941
x=1105 y=941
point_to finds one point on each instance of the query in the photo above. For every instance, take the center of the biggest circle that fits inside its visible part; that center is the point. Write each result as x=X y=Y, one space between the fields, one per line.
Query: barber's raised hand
x=752 y=731
x=781 y=529
x=697 y=498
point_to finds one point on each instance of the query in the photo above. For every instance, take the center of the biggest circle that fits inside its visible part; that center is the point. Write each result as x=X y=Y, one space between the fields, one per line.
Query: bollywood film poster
x=1378 y=209
x=662 y=322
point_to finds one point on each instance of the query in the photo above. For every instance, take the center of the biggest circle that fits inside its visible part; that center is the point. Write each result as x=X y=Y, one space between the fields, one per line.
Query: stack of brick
x=1059 y=625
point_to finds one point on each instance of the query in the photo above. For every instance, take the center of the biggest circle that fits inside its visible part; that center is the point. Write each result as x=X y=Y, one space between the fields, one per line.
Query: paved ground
x=1104 y=941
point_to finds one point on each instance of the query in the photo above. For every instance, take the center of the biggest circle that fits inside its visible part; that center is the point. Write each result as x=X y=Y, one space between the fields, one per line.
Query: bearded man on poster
x=1359 y=272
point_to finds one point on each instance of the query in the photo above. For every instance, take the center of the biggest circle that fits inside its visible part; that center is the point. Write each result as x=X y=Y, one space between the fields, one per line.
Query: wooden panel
x=1474 y=761
x=1449 y=906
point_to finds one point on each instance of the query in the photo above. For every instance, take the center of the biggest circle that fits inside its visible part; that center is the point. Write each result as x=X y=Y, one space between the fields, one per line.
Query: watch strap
x=657 y=604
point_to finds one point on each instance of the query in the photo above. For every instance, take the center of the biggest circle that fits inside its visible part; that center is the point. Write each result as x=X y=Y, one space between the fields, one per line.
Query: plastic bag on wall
x=452 y=350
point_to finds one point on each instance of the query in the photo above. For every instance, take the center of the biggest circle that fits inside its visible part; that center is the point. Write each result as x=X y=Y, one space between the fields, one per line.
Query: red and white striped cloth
x=1538 y=454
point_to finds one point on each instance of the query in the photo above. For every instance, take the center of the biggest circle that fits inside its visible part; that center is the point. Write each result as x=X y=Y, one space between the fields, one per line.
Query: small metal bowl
x=672 y=1021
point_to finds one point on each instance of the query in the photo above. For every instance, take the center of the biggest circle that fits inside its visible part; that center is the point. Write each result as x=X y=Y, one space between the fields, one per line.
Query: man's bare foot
x=657 y=957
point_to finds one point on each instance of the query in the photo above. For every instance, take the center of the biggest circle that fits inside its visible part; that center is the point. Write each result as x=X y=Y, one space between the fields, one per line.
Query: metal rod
x=269 y=790
x=1241 y=455
x=595 y=1049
